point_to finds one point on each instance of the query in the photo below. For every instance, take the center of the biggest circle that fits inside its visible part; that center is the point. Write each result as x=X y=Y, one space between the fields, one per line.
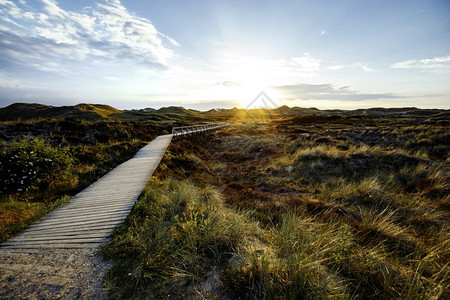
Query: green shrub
x=34 y=165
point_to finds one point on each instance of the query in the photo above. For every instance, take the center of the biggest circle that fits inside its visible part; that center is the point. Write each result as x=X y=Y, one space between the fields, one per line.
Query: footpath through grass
x=40 y=172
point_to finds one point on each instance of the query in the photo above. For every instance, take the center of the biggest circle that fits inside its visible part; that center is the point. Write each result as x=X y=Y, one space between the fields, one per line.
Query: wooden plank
x=79 y=219
x=80 y=225
x=81 y=210
x=86 y=224
x=71 y=232
x=55 y=244
x=83 y=223
x=98 y=203
x=96 y=235
x=97 y=231
x=90 y=210
x=106 y=193
x=87 y=217
x=75 y=228
x=59 y=240
x=67 y=214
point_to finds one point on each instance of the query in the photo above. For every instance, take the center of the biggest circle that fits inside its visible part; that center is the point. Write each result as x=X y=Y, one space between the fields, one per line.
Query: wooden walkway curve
x=89 y=217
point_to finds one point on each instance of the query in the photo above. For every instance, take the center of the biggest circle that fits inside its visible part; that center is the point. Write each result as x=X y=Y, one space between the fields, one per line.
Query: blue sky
x=203 y=54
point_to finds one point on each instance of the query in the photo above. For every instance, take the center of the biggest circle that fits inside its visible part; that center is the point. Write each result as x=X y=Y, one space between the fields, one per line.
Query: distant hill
x=92 y=112
x=98 y=109
x=27 y=111
x=175 y=110
x=397 y=111
x=180 y=115
x=286 y=110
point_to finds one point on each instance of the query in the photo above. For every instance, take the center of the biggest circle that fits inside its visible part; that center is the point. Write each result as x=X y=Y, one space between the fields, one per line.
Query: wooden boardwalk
x=88 y=218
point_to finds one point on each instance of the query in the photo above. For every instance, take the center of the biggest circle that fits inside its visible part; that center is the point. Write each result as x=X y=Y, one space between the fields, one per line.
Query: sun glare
x=247 y=77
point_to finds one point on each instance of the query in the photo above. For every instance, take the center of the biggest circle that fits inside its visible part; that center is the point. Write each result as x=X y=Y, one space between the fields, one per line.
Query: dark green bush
x=34 y=165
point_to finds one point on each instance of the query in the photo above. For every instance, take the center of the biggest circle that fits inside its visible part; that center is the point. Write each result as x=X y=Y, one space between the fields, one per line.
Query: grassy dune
x=293 y=207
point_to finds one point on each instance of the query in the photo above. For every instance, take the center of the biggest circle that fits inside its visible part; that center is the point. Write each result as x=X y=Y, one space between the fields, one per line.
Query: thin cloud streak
x=306 y=63
x=327 y=92
x=438 y=65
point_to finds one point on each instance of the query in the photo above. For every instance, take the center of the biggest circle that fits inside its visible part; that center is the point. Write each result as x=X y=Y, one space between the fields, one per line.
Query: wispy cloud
x=357 y=65
x=438 y=65
x=327 y=92
x=306 y=63
x=228 y=83
x=335 y=67
x=363 y=67
x=50 y=38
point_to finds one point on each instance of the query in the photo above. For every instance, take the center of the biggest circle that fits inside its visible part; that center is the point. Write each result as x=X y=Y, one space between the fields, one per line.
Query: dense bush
x=32 y=164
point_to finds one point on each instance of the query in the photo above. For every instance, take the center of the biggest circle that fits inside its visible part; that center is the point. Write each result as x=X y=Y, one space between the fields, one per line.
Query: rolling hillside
x=177 y=115
x=25 y=111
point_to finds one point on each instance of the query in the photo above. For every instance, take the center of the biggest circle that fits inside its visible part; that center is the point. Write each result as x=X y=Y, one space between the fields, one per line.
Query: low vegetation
x=312 y=207
x=174 y=241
